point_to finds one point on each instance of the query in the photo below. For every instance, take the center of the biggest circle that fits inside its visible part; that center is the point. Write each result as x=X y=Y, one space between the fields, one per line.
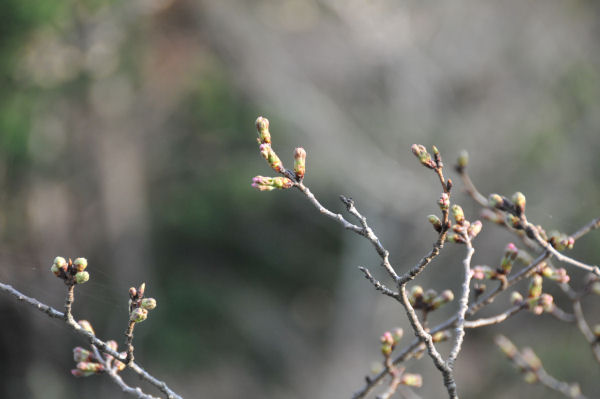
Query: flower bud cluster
x=560 y=241
x=389 y=340
x=266 y=150
x=429 y=300
x=515 y=207
x=559 y=275
x=71 y=272
x=138 y=305
x=463 y=229
x=89 y=364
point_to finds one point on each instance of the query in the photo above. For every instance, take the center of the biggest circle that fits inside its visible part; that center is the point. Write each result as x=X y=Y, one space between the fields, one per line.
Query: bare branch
x=378 y=285
x=585 y=330
x=91 y=338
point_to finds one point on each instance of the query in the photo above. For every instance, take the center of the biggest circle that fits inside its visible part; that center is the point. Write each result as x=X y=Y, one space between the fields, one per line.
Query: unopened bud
x=546 y=301
x=416 y=294
x=132 y=292
x=441 y=336
x=271 y=183
x=458 y=214
x=519 y=200
x=80 y=264
x=262 y=125
x=530 y=377
x=79 y=373
x=595 y=287
x=299 y=162
x=484 y=273
x=510 y=254
x=462 y=161
x=531 y=359
x=506 y=346
x=82 y=355
x=271 y=157
x=141 y=289
x=456 y=238
x=424 y=157
x=596 y=330
x=397 y=334
x=90 y=367
x=84 y=324
x=138 y=315
x=55 y=270
x=496 y=201
x=82 y=277
x=535 y=286
x=435 y=222
x=429 y=296
x=474 y=229
x=60 y=262
x=411 y=380
x=513 y=221
x=387 y=338
x=148 y=303
x=516 y=298
x=442 y=299
x=444 y=202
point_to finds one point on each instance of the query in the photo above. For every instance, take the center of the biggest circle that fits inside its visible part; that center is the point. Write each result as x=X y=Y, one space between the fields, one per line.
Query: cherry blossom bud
x=416 y=294
x=444 y=202
x=474 y=229
x=397 y=334
x=138 y=315
x=456 y=238
x=262 y=125
x=596 y=330
x=299 y=162
x=90 y=367
x=458 y=214
x=496 y=201
x=535 y=286
x=530 y=377
x=411 y=380
x=60 y=262
x=510 y=254
x=516 y=298
x=424 y=157
x=84 y=324
x=271 y=183
x=442 y=299
x=81 y=277
x=271 y=157
x=132 y=292
x=148 y=303
x=484 y=273
x=82 y=355
x=462 y=161
x=55 y=270
x=80 y=264
x=546 y=301
x=435 y=222
x=506 y=346
x=429 y=296
x=531 y=359
x=519 y=200
x=441 y=336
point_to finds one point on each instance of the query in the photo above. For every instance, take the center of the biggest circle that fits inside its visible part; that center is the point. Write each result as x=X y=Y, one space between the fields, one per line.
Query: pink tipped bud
x=262 y=125
x=138 y=315
x=84 y=324
x=411 y=380
x=444 y=202
x=546 y=301
x=148 y=303
x=510 y=254
x=484 y=273
x=90 y=367
x=299 y=162
x=387 y=338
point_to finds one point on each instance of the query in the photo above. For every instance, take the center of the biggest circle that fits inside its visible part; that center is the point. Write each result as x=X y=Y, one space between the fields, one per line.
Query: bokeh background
x=127 y=136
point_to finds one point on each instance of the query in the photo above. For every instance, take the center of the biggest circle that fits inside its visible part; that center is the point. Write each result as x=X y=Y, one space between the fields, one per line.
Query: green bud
x=60 y=262
x=262 y=125
x=506 y=346
x=435 y=222
x=441 y=336
x=535 y=286
x=81 y=277
x=496 y=201
x=80 y=264
x=82 y=355
x=516 y=298
x=148 y=303
x=596 y=330
x=411 y=380
x=299 y=162
x=55 y=269
x=424 y=157
x=474 y=229
x=442 y=299
x=416 y=294
x=458 y=214
x=530 y=377
x=429 y=296
x=462 y=161
x=519 y=200
x=397 y=334
x=138 y=315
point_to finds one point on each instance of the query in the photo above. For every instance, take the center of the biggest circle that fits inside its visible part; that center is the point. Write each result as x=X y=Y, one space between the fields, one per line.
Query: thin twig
x=499 y=318
x=585 y=330
x=378 y=285
x=463 y=305
x=91 y=338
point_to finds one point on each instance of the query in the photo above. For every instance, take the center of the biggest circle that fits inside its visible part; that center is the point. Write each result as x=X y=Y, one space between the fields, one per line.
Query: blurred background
x=127 y=136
